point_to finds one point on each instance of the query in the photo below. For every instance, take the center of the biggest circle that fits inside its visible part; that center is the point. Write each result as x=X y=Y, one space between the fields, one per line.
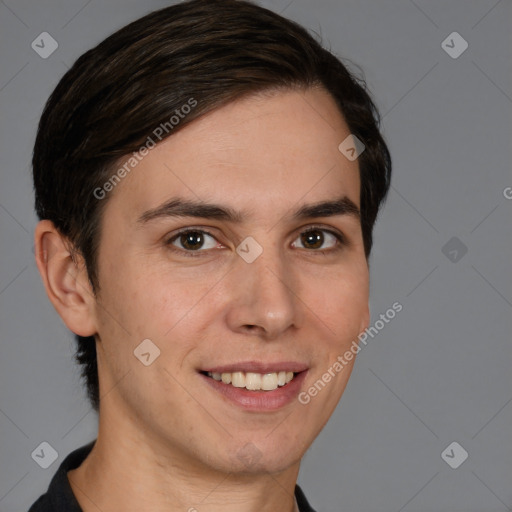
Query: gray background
x=438 y=372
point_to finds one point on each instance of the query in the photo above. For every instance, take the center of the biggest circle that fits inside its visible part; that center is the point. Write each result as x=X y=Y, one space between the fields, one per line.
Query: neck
x=128 y=470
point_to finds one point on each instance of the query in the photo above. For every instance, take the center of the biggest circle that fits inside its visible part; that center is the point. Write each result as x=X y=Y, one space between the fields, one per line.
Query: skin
x=166 y=440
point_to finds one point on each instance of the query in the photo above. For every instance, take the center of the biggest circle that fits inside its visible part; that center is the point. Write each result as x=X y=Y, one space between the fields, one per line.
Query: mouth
x=253 y=381
x=257 y=387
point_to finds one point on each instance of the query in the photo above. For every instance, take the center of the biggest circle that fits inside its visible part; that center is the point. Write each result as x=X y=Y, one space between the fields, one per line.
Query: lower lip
x=259 y=401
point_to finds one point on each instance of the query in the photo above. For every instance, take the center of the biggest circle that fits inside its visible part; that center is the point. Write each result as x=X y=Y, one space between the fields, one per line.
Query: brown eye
x=312 y=239
x=318 y=238
x=193 y=240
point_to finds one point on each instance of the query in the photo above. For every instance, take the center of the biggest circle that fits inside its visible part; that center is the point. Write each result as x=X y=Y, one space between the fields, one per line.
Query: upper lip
x=258 y=367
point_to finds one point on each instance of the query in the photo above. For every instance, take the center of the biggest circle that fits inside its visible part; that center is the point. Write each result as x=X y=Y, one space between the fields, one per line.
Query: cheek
x=342 y=303
x=148 y=300
x=342 y=310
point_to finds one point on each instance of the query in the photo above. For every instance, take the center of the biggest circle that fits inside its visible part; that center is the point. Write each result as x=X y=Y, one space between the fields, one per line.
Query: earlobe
x=65 y=279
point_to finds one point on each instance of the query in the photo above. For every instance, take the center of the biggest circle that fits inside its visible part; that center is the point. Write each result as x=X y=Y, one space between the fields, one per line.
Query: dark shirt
x=60 y=497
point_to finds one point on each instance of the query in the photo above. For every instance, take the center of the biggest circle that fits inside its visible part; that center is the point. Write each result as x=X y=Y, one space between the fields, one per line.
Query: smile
x=256 y=386
x=253 y=381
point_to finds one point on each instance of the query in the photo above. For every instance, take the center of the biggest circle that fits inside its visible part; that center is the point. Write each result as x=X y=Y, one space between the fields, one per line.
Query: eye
x=193 y=240
x=319 y=238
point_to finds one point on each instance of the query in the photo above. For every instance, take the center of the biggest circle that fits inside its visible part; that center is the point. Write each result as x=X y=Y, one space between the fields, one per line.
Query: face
x=218 y=248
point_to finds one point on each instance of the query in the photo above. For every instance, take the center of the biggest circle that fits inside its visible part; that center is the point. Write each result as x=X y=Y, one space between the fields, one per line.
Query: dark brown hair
x=115 y=95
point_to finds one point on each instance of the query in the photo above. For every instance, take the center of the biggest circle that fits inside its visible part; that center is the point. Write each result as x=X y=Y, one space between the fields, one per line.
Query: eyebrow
x=178 y=207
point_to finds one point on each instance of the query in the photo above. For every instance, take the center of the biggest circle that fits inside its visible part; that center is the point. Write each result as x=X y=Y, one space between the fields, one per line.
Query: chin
x=263 y=457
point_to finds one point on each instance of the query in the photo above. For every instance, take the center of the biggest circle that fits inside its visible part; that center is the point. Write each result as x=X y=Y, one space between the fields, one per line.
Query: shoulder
x=59 y=497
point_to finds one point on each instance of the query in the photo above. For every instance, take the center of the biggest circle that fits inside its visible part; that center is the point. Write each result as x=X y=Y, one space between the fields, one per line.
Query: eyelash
x=342 y=242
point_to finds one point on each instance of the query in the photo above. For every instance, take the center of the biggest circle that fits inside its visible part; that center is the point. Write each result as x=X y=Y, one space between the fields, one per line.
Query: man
x=207 y=180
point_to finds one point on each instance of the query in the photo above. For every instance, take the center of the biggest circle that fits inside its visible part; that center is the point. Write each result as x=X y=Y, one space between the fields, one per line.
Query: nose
x=264 y=298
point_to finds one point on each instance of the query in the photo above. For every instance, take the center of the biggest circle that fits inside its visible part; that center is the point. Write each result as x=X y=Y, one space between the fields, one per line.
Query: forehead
x=261 y=154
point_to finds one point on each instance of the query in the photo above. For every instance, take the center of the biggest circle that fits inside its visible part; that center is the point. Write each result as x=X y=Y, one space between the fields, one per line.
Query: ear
x=65 y=280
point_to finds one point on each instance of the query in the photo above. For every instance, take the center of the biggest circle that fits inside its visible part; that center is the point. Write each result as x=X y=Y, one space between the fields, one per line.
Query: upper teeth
x=254 y=381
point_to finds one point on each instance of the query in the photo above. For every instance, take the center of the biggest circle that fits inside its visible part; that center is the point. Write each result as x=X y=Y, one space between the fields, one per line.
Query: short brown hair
x=215 y=51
